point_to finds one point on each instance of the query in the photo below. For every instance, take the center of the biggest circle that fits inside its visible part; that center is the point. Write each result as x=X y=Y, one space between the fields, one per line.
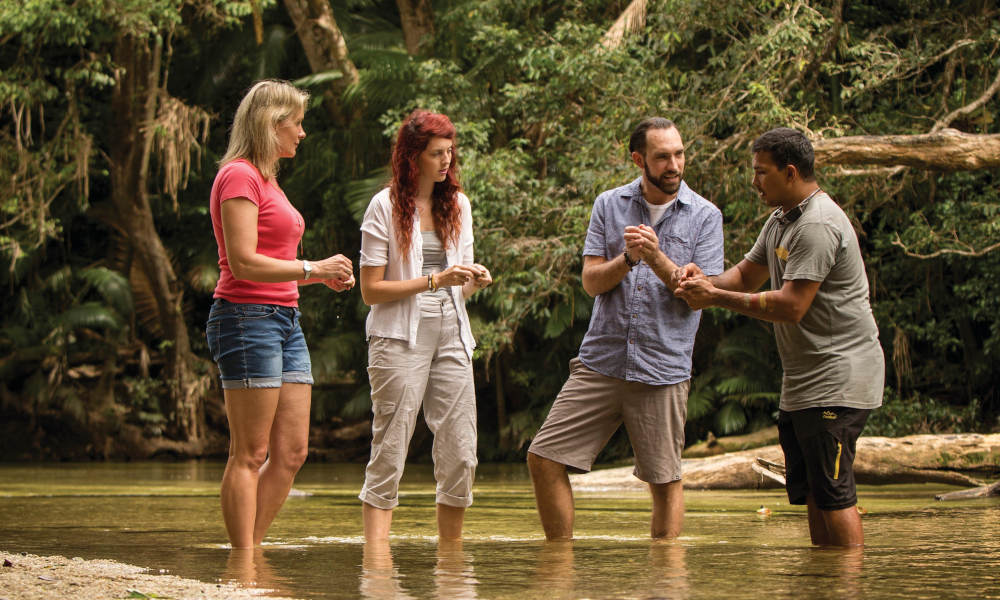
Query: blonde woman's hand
x=337 y=267
x=455 y=275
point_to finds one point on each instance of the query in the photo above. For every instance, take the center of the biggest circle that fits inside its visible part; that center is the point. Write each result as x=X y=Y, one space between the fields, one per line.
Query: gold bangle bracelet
x=763 y=300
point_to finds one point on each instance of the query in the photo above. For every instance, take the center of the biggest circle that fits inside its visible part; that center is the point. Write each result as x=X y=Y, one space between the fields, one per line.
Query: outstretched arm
x=732 y=290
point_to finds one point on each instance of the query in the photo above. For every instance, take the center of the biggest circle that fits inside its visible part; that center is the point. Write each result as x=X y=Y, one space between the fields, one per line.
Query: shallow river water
x=166 y=516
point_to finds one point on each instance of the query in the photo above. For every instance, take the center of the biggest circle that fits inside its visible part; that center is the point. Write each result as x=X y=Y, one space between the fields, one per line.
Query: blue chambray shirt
x=638 y=330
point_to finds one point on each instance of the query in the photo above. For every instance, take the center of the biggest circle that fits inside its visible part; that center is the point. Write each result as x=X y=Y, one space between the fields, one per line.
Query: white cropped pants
x=436 y=374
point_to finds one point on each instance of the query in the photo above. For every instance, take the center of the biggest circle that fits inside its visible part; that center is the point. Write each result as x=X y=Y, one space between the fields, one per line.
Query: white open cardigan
x=399 y=319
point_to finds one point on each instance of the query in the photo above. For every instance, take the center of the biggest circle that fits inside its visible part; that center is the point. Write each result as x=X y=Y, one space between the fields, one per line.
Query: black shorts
x=819 y=445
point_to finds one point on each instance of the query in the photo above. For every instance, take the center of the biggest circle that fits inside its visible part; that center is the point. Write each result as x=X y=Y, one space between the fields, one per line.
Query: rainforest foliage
x=113 y=114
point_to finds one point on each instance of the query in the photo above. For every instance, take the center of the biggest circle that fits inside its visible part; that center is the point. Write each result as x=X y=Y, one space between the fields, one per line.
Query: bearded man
x=634 y=365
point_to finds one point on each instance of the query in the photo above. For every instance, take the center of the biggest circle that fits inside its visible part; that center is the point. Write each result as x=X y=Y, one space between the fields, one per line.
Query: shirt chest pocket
x=678 y=248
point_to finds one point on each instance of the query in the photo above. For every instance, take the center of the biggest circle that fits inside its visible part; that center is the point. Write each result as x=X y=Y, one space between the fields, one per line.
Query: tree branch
x=971 y=107
x=831 y=43
x=943 y=251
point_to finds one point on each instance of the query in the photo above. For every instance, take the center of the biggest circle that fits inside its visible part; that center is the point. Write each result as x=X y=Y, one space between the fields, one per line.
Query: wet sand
x=30 y=577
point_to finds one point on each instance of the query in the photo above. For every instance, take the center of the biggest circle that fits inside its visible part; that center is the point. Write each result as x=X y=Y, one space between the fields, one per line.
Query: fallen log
x=944 y=150
x=957 y=459
x=980 y=492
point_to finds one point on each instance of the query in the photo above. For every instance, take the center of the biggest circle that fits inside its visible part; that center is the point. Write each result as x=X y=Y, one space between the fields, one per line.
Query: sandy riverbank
x=30 y=577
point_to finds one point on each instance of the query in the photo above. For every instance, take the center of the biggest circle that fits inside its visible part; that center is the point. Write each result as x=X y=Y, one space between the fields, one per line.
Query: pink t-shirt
x=279 y=229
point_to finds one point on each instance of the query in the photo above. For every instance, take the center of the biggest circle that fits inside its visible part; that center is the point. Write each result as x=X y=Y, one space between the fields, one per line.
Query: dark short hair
x=787 y=146
x=637 y=143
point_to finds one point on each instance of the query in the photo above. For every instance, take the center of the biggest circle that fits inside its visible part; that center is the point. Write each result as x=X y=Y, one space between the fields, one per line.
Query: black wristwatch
x=628 y=261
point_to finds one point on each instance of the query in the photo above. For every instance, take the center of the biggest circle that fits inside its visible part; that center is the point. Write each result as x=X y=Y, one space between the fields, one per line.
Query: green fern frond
x=358 y=193
x=91 y=315
x=743 y=384
x=331 y=353
x=60 y=281
x=700 y=402
x=112 y=286
x=730 y=418
x=319 y=79
x=760 y=399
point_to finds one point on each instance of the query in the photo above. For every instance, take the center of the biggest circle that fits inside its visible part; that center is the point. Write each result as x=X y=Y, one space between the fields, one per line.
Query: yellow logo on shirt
x=829 y=414
x=781 y=253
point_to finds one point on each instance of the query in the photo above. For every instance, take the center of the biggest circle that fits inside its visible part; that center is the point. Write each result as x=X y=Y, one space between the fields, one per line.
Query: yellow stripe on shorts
x=836 y=465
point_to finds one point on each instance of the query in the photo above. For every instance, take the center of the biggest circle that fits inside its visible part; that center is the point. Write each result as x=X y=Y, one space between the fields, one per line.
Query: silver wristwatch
x=307 y=269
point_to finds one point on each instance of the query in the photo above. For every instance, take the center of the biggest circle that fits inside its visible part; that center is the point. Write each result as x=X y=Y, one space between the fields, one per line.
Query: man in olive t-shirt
x=827 y=338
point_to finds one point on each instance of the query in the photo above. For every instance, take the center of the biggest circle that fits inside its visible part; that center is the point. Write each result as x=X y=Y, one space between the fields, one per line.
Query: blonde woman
x=417 y=270
x=253 y=327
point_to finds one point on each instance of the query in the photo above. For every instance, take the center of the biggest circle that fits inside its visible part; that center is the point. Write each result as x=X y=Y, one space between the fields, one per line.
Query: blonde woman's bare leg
x=289 y=446
x=250 y=413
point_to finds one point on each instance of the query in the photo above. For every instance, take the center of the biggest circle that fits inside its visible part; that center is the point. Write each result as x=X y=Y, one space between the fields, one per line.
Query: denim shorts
x=257 y=345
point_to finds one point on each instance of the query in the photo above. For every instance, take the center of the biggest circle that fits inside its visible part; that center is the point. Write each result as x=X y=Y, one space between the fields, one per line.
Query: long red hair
x=414 y=135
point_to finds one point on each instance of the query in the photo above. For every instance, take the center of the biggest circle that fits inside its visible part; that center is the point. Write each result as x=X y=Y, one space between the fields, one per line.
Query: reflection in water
x=379 y=577
x=839 y=568
x=668 y=575
x=454 y=575
x=555 y=574
x=828 y=572
x=916 y=547
x=250 y=568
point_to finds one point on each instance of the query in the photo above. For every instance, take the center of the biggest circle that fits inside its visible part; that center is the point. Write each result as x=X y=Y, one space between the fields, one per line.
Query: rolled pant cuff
x=251 y=383
x=297 y=377
x=454 y=501
x=369 y=497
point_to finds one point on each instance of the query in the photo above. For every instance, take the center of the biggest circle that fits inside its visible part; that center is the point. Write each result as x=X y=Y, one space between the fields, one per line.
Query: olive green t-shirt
x=832 y=357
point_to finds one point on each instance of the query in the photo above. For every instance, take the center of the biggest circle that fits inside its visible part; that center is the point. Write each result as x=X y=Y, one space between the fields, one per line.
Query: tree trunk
x=417 y=19
x=326 y=50
x=134 y=104
x=944 y=150
x=956 y=459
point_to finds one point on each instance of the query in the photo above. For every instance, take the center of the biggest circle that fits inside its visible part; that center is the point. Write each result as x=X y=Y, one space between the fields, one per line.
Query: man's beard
x=666 y=188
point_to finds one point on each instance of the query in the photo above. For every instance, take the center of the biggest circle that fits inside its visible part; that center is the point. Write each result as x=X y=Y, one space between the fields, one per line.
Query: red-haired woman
x=416 y=272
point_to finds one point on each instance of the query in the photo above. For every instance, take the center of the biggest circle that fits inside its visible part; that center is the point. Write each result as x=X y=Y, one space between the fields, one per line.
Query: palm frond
x=332 y=354
x=631 y=21
x=60 y=280
x=112 y=286
x=319 y=79
x=700 y=401
x=359 y=192
x=91 y=315
x=760 y=399
x=742 y=384
x=204 y=273
x=730 y=418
